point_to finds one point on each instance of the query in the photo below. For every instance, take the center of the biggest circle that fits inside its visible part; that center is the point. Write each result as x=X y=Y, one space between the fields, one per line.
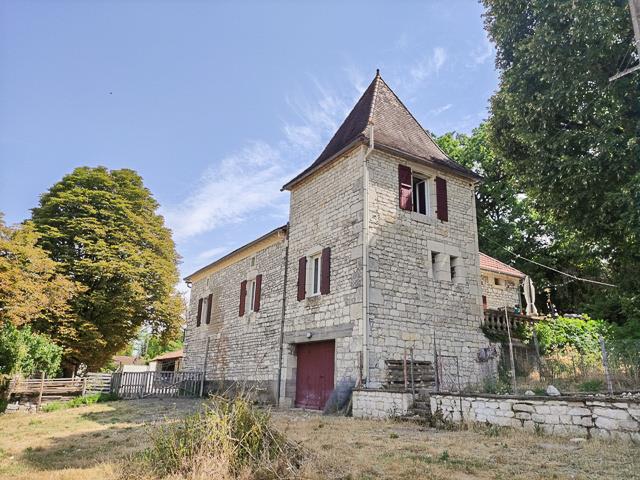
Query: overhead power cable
x=574 y=277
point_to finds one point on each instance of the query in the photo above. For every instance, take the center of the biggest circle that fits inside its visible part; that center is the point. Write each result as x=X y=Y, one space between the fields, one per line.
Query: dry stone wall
x=242 y=349
x=412 y=296
x=572 y=416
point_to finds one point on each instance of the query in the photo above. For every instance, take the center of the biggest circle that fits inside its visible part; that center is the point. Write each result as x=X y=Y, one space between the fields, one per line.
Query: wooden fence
x=156 y=384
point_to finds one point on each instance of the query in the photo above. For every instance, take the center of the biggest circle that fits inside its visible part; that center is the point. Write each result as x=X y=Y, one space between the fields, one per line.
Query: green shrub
x=595 y=385
x=229 y=438
x=26 y=352
x=79 y=402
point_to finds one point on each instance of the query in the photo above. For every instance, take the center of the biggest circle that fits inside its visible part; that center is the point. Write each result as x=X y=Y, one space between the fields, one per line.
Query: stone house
x=501 y=284
x=379 y=257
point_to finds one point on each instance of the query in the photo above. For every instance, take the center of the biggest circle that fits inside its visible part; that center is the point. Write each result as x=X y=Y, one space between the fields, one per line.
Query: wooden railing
x=495 y=322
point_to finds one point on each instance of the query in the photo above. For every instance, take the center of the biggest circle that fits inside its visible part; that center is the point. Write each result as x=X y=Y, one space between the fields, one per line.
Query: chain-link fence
x=612 y=368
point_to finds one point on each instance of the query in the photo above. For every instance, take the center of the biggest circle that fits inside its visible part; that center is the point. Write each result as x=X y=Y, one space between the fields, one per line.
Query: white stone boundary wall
x=380 y=403
x=573 y=416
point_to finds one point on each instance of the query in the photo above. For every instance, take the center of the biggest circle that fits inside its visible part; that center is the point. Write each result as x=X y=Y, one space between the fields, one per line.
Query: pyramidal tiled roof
x=394 y=129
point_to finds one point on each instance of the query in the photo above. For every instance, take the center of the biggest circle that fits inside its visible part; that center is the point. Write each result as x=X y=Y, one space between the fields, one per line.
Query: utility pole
x=634 y=10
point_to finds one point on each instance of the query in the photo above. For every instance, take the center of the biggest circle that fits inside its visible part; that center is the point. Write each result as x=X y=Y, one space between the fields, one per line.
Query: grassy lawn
x=86 y=442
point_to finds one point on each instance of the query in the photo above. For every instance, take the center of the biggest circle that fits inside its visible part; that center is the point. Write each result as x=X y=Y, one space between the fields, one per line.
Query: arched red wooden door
x=314 y=377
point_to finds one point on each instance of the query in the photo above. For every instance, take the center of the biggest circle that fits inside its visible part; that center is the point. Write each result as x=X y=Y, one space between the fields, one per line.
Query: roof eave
x=359 y=140
x=432 y=163
x=282 y=228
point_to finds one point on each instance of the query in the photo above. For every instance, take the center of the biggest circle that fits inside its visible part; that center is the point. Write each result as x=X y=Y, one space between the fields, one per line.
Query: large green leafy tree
x=571 y=137
x=32 y=287
x=509 y=221
x=102 y=227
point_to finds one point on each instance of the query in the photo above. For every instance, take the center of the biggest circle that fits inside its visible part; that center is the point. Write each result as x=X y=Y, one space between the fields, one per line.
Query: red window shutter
x=199 y=317
x=256 y=302
x=243 y=297
x=404 y=186
x=209 y=303
x=325 y=271
x=441 y=199
x=302 y=278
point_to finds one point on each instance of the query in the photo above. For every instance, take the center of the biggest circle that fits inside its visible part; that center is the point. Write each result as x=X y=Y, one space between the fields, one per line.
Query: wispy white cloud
x=242 y=183
x=437 y=111
x=213 y=253
x=428 y=65
x=248 y=182
x=482 y=53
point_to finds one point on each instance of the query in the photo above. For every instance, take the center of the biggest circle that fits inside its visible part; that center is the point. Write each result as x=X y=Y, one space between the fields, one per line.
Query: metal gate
x=156 y=384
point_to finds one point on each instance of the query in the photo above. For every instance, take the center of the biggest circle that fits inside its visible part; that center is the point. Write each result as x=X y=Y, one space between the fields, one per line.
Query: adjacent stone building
x=379 y=258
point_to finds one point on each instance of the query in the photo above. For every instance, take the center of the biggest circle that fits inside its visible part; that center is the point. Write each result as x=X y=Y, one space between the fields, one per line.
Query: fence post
x=404 y=367
x=413 y=385
x=605 y=364
x=513 y=363
x=41 y=389
x=84 y=386
x=435 y=362
x=537 y=346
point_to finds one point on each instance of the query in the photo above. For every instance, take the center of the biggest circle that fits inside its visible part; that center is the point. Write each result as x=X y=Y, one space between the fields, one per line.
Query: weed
x=444 y=456
x=538 y=430
x=595 y=385
x=393 y=435
x=229 y=438
x=79 y=402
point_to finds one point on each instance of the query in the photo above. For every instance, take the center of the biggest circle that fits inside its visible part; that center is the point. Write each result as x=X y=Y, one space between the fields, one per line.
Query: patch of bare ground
x=88 y=443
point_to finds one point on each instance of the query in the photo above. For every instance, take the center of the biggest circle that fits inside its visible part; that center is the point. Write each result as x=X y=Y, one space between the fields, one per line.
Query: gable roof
x=494 y=265
x=169 y=355
x=395 y=130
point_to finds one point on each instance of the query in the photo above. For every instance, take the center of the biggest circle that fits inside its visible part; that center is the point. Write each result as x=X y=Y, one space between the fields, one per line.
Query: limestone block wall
x=570 y=416
x=243 y=348
x=380 y=403
x=499 y=296
x=326 y=211
x=412 y=298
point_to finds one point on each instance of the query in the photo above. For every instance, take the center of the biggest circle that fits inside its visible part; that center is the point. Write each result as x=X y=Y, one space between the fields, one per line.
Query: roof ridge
x=372 y=106
x=415 y=119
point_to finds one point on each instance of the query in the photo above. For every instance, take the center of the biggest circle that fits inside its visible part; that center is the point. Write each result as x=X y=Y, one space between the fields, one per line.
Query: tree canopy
x=32 y=286
x=570 y=137
x=102 y=227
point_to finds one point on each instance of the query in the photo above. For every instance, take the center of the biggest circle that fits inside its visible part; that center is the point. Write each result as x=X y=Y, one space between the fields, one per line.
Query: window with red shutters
x=441 y=200
x=209 y=304
x=405 y=187
x=243 y=297
x=199 y=316
x=256 y=301
x=302 y=278
x=325 y=271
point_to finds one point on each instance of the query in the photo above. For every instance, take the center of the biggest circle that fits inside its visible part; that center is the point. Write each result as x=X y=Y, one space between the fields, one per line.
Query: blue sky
x=217 y=104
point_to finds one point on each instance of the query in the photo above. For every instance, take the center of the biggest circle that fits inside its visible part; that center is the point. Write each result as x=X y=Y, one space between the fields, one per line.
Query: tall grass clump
x=227 y=439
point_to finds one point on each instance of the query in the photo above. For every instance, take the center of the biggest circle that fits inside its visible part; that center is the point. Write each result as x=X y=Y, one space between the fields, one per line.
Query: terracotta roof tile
x=493 y=265
x=169 y=355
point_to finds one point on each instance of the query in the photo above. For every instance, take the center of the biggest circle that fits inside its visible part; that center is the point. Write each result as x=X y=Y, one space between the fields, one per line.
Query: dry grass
x=87 y=443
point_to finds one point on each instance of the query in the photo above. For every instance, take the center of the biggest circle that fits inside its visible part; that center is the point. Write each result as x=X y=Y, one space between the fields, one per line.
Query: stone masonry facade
x=241 y=349
x=413 y=297
x=393 y=280
x=507 y=293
